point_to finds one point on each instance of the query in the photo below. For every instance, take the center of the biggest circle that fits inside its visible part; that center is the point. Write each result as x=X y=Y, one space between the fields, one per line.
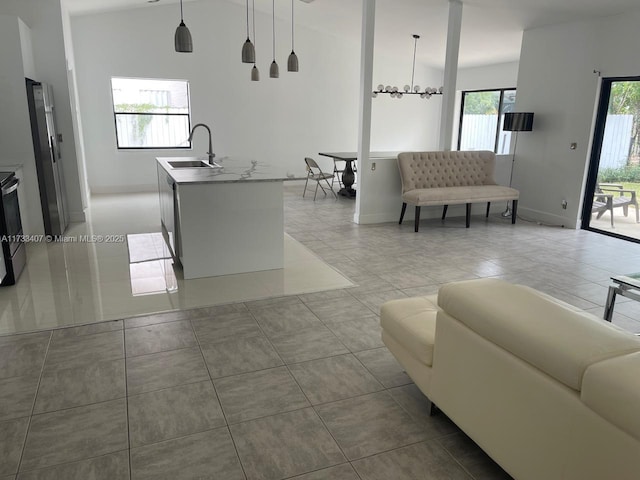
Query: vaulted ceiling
x=491 y=29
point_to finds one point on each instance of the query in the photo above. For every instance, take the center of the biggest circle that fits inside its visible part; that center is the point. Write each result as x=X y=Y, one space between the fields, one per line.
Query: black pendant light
x=183 y=42
x=248 y=50
x=274 y=70
x=292 y=61
x=255 y=73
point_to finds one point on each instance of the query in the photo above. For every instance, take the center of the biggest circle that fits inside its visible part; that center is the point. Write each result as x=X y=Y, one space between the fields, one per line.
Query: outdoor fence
x=479 y=132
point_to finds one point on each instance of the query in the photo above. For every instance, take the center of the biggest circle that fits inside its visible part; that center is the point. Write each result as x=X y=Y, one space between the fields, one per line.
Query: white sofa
x=451 y=178
x=547 y=390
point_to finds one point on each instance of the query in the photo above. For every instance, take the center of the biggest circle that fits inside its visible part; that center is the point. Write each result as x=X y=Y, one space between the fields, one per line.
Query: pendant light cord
x=253 y=22
x=181 y=16
x=292 y=38
x=273 y=27
x=248 y=19
x=413 y=71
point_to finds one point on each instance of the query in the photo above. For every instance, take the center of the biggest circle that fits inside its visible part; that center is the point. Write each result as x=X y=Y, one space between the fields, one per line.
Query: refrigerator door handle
x=53 y=149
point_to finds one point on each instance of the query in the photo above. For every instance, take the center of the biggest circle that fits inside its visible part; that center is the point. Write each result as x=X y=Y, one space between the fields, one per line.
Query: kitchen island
x=224 y=219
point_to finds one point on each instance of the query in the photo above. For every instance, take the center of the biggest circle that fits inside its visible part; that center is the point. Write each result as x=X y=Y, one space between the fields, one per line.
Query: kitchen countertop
x=231 y=170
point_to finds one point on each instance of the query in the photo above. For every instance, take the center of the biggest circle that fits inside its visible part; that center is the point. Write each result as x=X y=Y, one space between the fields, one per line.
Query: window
x=151 y=113
x=482 y=117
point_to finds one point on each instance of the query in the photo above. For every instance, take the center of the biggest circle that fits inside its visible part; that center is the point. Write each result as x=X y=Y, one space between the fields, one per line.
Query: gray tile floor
x=294 y=387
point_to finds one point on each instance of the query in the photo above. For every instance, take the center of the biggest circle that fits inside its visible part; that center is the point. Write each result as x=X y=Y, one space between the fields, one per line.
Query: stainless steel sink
x=190 y=164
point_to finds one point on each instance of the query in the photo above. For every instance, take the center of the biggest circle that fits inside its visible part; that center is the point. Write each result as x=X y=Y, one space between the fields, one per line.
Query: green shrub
x=630 y=173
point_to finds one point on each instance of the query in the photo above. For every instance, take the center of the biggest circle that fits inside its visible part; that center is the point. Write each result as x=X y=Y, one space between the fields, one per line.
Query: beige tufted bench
x=451 y=178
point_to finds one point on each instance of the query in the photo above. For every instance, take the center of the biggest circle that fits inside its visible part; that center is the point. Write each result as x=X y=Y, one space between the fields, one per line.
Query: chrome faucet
x=210 y=152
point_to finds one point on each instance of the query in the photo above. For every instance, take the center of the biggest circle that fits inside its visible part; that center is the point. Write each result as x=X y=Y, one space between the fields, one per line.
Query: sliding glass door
x=613 y=184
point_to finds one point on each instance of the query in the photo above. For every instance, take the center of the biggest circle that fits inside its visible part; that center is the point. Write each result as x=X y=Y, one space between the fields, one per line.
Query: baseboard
x=546 y=218
x=107 y=189
x=426 y=213
x=77 y=217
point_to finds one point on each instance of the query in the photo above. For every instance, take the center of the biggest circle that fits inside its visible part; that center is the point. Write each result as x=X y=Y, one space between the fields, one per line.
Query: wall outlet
x=564 y=204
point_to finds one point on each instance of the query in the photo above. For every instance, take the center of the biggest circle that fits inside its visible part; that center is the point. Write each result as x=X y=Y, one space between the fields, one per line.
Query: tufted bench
x=451 y=178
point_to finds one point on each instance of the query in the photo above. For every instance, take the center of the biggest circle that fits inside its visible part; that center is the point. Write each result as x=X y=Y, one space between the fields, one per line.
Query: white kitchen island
x=223 y=220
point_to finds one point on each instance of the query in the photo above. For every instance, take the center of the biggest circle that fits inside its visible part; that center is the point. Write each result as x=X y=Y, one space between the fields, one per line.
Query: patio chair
x=619 y=198
x=314 y=172
x=601 y=204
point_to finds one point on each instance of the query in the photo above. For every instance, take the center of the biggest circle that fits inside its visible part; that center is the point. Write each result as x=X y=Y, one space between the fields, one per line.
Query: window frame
x=188 y=146
x=500 y=113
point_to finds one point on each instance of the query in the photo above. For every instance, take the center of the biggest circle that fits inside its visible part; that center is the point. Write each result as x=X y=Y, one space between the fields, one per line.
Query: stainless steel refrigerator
x=46 y=146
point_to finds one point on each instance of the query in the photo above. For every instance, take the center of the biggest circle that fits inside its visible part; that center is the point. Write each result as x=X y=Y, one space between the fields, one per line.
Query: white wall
x=45 y=21
x=557 y=83
x=408 y=123
x=282 y=121
x=15 y=127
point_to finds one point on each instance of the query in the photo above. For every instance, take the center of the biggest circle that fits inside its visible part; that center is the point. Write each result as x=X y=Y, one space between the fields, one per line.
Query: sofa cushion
x=412 y=323
x=557 y=340
x=457 y=195
x=446 y=169
x=610 y=388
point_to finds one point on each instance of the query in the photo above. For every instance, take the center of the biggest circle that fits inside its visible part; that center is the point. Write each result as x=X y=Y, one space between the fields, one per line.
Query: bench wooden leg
x=417 y=221
x=444 y=211
x=488 y=207
x=514 y=211
x=404 y=208
x=468 y=214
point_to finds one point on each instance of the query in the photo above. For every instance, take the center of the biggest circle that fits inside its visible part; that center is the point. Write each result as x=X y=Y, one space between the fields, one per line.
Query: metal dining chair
x=314 y=172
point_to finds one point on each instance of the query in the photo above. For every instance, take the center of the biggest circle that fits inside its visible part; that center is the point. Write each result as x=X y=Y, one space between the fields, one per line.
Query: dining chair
x=314 y=172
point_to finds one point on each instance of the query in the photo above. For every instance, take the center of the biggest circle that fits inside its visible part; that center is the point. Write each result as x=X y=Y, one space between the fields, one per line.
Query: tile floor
x=286 y=387
x=77 y=282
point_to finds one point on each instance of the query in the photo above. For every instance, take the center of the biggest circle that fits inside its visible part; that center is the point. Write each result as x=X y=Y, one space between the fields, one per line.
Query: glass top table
x=625 y=285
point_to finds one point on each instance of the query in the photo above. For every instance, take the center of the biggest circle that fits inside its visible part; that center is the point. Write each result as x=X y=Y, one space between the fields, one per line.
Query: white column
x=450 y=74
x=366 y=88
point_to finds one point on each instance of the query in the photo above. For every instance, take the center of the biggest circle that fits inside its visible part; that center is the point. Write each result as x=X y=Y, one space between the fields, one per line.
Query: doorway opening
x=613 y=183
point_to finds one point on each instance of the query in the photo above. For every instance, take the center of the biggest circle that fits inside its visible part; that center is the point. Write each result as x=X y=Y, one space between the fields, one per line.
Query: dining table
x=348 y=175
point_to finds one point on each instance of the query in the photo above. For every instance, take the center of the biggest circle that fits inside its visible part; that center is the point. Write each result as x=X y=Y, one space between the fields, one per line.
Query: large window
x=151 y=113
x=482 y=117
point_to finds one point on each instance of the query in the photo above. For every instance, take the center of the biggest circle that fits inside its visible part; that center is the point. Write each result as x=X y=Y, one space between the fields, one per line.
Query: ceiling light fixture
x=274 y=70
x=255 y=73
x=292 y=61
x=412 y=89
x=248 y=50
x=182 y=39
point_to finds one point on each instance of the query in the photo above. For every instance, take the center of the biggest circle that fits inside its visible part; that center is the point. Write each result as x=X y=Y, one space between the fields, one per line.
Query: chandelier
x=412 y=89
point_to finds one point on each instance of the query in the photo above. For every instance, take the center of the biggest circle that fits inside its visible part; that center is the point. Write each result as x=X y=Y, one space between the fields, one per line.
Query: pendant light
x=274 y=70
x=292 y=61
x=255 y=73
x=182 y=39
x=248 y=50
x=394 y=92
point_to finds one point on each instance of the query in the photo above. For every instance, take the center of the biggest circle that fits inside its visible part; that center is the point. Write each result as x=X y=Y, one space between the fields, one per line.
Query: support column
x=366 y=87
x=450 y=74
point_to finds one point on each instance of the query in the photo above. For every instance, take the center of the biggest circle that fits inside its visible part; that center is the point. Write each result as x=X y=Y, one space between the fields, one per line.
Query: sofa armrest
x=610 y=388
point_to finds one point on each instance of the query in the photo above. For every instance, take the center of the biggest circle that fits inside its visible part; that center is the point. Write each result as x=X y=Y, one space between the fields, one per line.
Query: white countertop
x=231 y=170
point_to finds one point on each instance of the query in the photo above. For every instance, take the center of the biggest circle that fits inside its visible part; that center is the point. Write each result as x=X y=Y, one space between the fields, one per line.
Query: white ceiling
x=491 y=29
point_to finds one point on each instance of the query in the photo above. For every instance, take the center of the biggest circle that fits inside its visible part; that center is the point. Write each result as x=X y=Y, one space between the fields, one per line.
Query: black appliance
x=46 y=147
x=13 y=258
